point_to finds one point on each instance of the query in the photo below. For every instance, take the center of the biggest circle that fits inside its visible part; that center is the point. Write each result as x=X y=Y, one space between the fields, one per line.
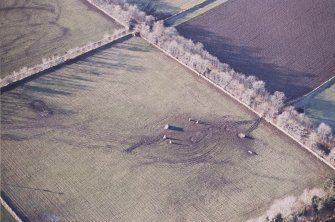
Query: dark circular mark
x=41 y=108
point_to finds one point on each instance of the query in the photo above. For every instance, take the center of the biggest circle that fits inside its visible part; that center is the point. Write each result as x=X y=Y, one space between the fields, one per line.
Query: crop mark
x=197 y=143
x=32 y=188
x=41 y=108
x=143 y=141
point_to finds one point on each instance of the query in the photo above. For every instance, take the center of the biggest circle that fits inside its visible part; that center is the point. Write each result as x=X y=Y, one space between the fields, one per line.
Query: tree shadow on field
x=83 y=67
x=249 y=61
x=77 y=76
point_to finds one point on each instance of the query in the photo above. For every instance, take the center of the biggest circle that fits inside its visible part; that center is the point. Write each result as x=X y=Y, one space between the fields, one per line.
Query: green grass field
x=321 y=107
x=5 y=216
x=84 y=142
x=164 y=8
x=37 y=29
x=194 y=12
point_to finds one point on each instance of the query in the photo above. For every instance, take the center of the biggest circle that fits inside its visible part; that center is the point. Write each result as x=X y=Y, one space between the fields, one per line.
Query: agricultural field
x=192 y=12
x=38 y=29
x=321 y=107
x=164 y=8
x=84 y=142
x=288 y=44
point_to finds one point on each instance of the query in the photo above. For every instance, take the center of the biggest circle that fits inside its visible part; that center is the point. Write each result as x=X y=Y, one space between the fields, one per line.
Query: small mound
x=41 y=108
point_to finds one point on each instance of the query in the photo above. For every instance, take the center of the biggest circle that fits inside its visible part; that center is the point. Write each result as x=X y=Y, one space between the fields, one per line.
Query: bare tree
x=324 y=131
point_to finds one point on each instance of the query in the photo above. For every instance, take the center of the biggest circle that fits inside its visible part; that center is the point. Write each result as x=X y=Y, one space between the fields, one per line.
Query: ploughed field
x=289 y=44
x=40 y=29
x=164 y=8
x=84 y=142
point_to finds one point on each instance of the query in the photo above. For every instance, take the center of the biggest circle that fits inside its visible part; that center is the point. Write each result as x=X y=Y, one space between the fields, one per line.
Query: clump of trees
x=312 y=205
x=124 y=13
x=58 y=59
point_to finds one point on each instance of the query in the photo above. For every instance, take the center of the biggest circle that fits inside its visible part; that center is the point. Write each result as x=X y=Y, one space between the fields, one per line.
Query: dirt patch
x=202 y=142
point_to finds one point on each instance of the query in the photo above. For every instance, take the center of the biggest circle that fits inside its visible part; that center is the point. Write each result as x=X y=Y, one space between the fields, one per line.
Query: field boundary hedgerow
x=73 y=53
x=142 y=19
x=10 y=210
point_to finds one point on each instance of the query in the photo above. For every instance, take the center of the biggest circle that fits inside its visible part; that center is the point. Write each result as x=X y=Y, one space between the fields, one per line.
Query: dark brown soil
x=289 y=44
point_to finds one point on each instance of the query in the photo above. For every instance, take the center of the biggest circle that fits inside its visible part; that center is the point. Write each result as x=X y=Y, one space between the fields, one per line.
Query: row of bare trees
x=317 y=204
x=124 y=13
x=58 y=59
x=247 y=89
